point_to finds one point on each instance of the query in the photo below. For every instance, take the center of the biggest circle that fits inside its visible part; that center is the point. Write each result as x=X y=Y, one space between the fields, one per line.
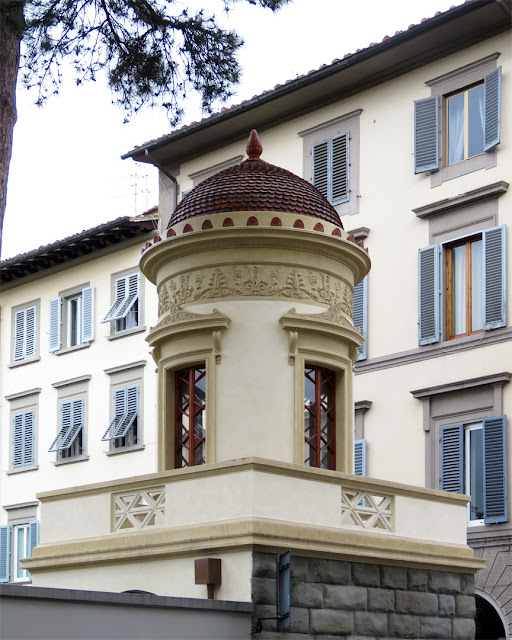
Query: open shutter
x=494 y=279
x=132 y=404
x=30 y=332
x=452 y=458
x=120 y=293
x=71 y=424
x=19 y=335
x=87 y=314
x=321 y=167
x=340 y=169
x=5 y=552
x=495 y=470
x=360 y=457
x=428 y=323
x=426 y=134
x=55 y=324
x=132 y=294
x=492 y=109
x=360 y=315
x=119 y=413
x=34 y=536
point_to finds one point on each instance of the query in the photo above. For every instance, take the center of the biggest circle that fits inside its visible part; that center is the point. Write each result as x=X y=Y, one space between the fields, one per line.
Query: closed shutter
x=30 y=333
x=5 y=552
x=19 y=335
x=495 y=470
x=18 y=445
x=360 y=457
x=426 y=134
x=321 y=167
x=492 y=109
x=340 y=169
x=33 y=539
x=360 y=314
x=25 y=334
x=28 y=453
x=452 y=458
x=494 y=279
x=23 y=445
x=428 y=323
x=88 y=314
x=55 y=324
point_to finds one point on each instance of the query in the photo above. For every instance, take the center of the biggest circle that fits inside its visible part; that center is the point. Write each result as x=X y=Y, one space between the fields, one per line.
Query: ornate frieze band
x=261 y=281
x=366 y=510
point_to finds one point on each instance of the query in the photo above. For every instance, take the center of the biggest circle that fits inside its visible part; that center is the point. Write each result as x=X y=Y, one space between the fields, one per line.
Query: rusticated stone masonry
x=358 y=601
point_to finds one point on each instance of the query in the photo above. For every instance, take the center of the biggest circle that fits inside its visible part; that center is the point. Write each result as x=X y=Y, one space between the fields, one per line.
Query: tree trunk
x=11 y=29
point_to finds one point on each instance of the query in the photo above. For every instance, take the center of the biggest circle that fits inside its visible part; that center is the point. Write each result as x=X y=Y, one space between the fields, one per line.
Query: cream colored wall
x=92 y=360
x=163 y=577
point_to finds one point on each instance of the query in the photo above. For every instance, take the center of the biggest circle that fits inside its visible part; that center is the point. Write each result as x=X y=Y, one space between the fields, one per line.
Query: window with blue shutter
x=123 y=428
x=360 y=315
x=72 y=319
x=69 y=440
x=5 y=552
x=87 y=314
x=23 y=439
x=331 y=168
x=494 y=277
x=492 y=109
x=360 y=457
x=426 y=134
x=125 y=310
x=473 y=460
x=25 y=346
x=429 y=291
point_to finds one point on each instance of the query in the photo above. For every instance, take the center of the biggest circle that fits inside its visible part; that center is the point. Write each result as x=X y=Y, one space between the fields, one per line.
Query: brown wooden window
x=190 y=420
x=319 y=417
x=466 y=123
x=464 y=287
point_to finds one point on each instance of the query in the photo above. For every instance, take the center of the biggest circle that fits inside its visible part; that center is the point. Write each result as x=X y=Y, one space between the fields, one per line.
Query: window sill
x=486 y=160
x=11 y=472
x=59 y=463
x=121 y=450
x=13 y=365
x=77 y=347
x=128 y=332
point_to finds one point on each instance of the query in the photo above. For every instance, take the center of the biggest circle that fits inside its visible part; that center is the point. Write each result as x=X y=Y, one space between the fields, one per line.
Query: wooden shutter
x=494 y=279
x=360 y=457
x=30 y=332
x=87 y=314
x=19 y=335
x=426 y=134
x=132 y=405
x=23 y=445
x=34 y=536
x=55 y=324
x=340 y=169
x=321 y=167
x=131 y=295
x=119 y=413
x=360 y=314
x=120 y=294
x=495 y=470
x=5 y=552
x=428 y=323
x=18 y=444
x=72 y=415
x=492 y=109
x=452 y=458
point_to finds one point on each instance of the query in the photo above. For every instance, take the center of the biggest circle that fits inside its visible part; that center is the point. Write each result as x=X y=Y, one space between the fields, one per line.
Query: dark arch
x=488 y=621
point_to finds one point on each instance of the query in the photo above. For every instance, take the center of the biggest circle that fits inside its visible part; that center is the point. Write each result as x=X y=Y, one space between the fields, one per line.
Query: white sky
x=66 y=174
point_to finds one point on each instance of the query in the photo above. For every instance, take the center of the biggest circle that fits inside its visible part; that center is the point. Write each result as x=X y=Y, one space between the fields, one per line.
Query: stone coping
x=122 y=599
x=350 y=481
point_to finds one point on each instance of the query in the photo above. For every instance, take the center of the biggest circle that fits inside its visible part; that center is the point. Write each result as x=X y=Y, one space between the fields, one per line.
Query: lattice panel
x=139 y=509
x=366 y=510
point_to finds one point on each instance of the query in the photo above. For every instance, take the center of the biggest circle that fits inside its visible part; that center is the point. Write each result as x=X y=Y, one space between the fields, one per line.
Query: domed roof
x=255 y=185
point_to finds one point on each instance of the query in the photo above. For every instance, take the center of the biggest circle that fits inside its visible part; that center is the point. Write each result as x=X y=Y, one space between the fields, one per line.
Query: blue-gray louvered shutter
x=360 y=457
x=360 y=314
x=426 y=134
x=495 y=470
x=119 y=413
x=495 y=275
x=452 y=458
x=340 y=169
x=131 y=296
x=88 y=314
x=119 y=294
x=55 y=324
x=428 y=298
x=23 y=446
x=492 y=109
x=30 y=332
x=18 y=444
x=132 y=407
x=19 y=336
x=5 y=552
x=33 y=539
x=320 y=153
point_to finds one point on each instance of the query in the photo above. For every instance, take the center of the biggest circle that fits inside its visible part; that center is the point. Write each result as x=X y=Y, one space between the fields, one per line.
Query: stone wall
x=332 y=599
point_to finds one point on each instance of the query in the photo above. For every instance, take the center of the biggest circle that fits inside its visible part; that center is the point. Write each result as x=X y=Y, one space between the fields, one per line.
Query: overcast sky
x=66 y=174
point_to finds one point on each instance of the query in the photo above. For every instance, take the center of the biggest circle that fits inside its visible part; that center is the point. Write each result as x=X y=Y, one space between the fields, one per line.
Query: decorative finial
x=254 y=147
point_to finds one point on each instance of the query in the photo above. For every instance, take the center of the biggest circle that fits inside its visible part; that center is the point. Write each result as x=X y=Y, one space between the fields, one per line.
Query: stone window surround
x=326 y=130
x=70 y=389
x=360 y=409
x=70 y=292
x=20 y=307
x=141 y=327
x=123 y=376
x=449 y=83
x=452 y=403
x=21 y=513
x=23 y=401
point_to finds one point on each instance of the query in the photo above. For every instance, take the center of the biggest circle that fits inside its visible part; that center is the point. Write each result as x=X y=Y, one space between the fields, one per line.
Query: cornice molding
x=464 y=199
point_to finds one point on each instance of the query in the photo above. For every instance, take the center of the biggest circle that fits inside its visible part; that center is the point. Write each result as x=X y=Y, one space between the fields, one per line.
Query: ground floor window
x=319 y=417
x=190 y=417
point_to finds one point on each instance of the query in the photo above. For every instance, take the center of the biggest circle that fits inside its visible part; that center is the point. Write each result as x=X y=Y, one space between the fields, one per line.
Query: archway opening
x=488 y=622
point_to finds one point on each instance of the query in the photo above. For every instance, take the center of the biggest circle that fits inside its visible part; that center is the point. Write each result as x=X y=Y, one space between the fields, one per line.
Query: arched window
x=319 y=417
x=190 y=417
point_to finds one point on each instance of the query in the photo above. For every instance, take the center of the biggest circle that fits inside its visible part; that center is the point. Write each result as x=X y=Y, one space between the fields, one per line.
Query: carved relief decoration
x=257 y=281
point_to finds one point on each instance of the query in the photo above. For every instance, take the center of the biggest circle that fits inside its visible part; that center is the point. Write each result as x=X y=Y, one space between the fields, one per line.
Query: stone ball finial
x=254 y=147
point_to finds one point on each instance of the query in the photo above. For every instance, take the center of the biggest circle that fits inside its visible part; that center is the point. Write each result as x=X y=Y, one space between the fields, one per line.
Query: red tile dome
x=255 y=185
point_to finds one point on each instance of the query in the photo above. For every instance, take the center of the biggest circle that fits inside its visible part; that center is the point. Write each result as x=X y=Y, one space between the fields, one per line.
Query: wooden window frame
x=330 y=443
x=465 y=93
x=194 y=440
x=467 y=242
